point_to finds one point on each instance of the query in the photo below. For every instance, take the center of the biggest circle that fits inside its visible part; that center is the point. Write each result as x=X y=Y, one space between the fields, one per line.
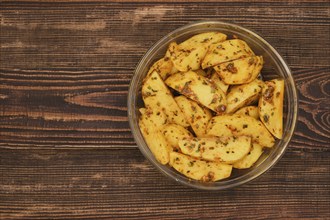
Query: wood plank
x=90 y=111
x=66 y=150
x=121 y=184
x=96 y=36
x=65 y=70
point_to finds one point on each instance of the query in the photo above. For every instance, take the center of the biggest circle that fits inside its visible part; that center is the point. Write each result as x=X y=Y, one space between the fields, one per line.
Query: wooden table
x=66 y=149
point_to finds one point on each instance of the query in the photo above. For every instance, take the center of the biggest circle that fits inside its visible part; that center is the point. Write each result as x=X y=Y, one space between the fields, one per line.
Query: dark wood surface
x=66 y=150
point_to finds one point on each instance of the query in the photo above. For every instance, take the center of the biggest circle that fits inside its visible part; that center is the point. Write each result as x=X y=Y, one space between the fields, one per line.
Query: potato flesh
x=173 y=133
x=250 y=159
x=197 y=116
x=205 y=39
x=185 y=59
x=198 y=169
x=242 y=95
x=149 y=124
x=271 y=106
x=238 y=125
x=156 y=95
x=252 y=111
x=199 y=89
x=226 y=51
x=243 y=70
x=164 y=67
x=189 y=54
x=225 y=149
x=220 y=84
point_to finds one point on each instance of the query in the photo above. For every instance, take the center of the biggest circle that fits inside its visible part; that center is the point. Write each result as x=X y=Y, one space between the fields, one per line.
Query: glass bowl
x=274 y=67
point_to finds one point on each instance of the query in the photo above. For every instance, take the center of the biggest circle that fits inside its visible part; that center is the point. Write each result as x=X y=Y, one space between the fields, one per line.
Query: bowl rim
x=165 y=170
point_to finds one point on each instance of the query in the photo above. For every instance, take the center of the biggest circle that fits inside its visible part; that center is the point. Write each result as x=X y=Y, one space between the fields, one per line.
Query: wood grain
x=121 y=184
x=65 y=71
x=66 y=150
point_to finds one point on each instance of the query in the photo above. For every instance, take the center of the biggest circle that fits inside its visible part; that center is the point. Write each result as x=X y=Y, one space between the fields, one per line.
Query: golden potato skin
x=226 y=51
x=156 y=95
x=197 y=116
x=224 y=149
x=199 y=89
x=239 y=125
x=271 y=106
x=242 y=95
x=198 y=169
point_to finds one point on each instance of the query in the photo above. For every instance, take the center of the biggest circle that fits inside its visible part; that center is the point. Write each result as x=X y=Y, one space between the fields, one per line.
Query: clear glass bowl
x=274 y=67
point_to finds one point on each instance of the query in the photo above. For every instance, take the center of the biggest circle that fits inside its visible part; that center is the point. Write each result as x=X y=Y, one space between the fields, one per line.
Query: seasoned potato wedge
x=242 y=95
x=199 y=89
x=243 y=70
x=198 y=169
x=257 y=69
x=252 y=111
x=164 y=67
x=153 y=117
x=186 y=58
x=271 y=106
x=206 y=39
x=238 y=125
x=173 y=133
x=156 y=95
x=213 y=125
x=225 y=149
x=149 y=124
x=197 y=116
x=188 y=55
x=221 y=85
x=226 y=51
x=142 y=110
x=201 y=72
x=250 y=158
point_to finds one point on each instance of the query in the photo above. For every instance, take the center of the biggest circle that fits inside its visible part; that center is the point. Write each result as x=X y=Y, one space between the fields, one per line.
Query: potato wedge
x=243 y=70
x=199 y=89
x=198 y=169
x=221 y=85
x=271 y=106
x=224 y=149
x=252 y=111
x=257 y=69
x=206 y=39
x=242 y=95
x=186 y=58
x=142 y=110
x=153 y=117
x=250 y=158
x=156 y=95
x=164 y=68
x=226 y=51
x=173 y=133
x=149 y=124
x=239 y=125
x=201 y=72
x=197 y=116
